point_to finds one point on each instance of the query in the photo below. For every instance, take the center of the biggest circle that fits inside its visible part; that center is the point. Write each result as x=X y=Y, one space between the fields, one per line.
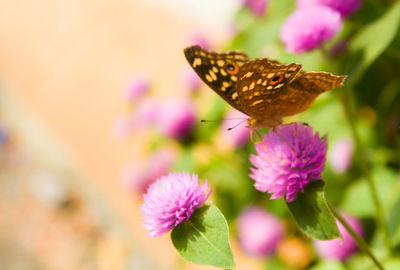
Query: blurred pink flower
x=341 y=154
x=177 y=118
x=336 y=248
x=239 y=135
x=339 y=48
x=308 y=28
x=191 y=81
x=138 y=178
x=344 y=7
x=147 y=112
x=201 y=40
x=123 y=126
x=136 y=87
x=259 y=232
x=258 y=7
x=171 y=200
x=288 y=158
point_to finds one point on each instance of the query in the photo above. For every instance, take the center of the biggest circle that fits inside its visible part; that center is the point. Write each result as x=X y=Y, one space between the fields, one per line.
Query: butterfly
x=264 y=89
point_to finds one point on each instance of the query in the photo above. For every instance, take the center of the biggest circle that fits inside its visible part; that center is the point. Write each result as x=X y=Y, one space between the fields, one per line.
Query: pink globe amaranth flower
x=287 y=160
x=257 y=7
x=336 y=248
x=340 y=155
x=239 y=135
x=136 y=87
x=171 y=200
x=177 y=118
x=138 y=178
x=308 y=28
x=344 y=7
x=259 y=232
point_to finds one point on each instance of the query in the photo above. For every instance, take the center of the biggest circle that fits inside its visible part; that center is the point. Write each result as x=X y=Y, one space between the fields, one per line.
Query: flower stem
x=361 y=157
x=345 y=97
x=361 y=243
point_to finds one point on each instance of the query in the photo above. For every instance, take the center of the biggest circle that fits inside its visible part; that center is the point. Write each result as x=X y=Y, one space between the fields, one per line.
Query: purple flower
x=344 y=7
x=308 y=28
x=136 y=87
x=336 y=248
x=340 y=155
x=259 y=232
x=287 y=160
x=239 y=135
x=138 y=178
x=177 y=118
x=258 y=7
x=171 y=200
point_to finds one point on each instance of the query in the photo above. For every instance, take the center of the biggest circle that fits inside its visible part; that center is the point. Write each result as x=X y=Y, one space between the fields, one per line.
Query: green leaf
x=372 y=40
x=204 y=238
x=328 y=265
x=357 y=198
x=392 y=264
x=312 y=213
x=394 y=223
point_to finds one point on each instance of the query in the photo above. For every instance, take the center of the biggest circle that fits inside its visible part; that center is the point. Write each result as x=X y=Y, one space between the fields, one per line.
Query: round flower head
x=259 y=232
x=340 y=155
x=344 y=7
x=287 y=160
x=340 y=249
x=171 y=200
x=308 y=28
x=258 y=7
x=136 y=87
x=177 y=118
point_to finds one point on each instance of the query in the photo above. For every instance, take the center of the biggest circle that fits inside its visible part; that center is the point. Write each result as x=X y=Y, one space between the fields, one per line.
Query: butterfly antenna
x=217 y=120
x=241 y=122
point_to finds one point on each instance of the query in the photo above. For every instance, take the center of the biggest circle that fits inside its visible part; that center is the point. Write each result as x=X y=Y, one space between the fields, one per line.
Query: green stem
x=361 y=243
x=361 y=157
x=345 y=96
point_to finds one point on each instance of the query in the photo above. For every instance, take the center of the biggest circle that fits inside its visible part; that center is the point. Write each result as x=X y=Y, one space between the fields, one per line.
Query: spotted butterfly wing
x=304 y=89
x=218 y=70
x=260 y=81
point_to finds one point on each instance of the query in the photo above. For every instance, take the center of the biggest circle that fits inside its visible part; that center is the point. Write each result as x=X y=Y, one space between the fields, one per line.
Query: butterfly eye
x=276 y=79
x=232 y=68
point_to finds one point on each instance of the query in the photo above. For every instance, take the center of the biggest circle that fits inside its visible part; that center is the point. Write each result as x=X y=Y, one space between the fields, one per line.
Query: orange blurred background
x=63 y=65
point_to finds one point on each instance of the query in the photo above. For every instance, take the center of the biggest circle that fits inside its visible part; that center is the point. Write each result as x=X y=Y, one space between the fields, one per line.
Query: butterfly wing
x=304 y=89
x=260 y=81
x=218 y=70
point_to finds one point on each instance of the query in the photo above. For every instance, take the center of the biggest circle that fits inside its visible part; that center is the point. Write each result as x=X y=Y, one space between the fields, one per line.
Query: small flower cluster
x=175 y=117
x=315 y=22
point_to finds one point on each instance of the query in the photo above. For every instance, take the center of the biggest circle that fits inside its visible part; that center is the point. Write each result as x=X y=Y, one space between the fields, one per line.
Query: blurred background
x=97 y=101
